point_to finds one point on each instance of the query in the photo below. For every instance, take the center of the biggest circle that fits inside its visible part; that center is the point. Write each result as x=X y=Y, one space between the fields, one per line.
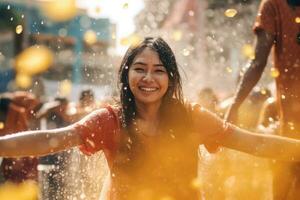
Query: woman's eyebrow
x=142 y=63
x=139 y=63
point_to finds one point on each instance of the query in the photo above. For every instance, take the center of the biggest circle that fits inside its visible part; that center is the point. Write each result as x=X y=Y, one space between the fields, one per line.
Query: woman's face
x=148 y=78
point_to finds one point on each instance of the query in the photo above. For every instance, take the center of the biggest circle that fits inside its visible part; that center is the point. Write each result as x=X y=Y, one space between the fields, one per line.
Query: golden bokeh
x=113 y=36
x=2 y=125
x=177 y=35
x=65 y=87
x=263 y=91
x=90 y=37
x=19 y=29
x=248 y=51
x=27 y=190
x=229 y=69
x=230 y=12
x=34 y=60
x=23 y=80
x=58 y=10
x=131 y=40
x=274 y=72
x=297 y=20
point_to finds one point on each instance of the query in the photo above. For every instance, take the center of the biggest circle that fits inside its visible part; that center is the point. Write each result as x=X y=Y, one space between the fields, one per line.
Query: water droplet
x=230 y=12
x=185 y=52
x=19 y=29
x=229 y=69
x=177 y=35
x=274 y=72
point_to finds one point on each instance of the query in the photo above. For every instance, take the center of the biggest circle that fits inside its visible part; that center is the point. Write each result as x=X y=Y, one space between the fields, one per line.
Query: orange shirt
x=150 y=167
x=278 y=18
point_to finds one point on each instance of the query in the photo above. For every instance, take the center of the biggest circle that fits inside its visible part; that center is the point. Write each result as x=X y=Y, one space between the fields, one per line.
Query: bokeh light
x=19 y=29
x=177 y=35
x=2 y=125
x=131 y=40
x=248 y=51
x=23 y=80
x=34 y=60
x=230 y=12
x=57 y=10
x=90 y=37
x=65 y=88
x=274 y=72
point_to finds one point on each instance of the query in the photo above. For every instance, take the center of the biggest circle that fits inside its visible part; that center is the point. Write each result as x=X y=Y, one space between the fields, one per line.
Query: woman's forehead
x=147 y=55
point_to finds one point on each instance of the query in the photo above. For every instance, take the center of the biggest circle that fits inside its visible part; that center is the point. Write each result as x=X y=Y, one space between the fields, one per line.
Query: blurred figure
x=208 y=99
x=277 y=25
x=17 y=111
x=52 y=171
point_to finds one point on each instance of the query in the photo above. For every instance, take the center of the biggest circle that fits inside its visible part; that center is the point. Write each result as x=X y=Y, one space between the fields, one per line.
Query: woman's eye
x=139 y=69
x=160 y=71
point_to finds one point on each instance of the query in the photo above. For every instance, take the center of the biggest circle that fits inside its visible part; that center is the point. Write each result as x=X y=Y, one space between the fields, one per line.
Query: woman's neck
x=147 y=121
x=148 y=112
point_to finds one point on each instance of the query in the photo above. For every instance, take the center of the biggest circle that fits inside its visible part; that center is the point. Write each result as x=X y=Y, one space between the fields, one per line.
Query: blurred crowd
x=46 y=176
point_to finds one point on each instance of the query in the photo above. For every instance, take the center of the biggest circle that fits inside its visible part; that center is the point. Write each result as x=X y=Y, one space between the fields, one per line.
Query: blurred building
x=80 y=44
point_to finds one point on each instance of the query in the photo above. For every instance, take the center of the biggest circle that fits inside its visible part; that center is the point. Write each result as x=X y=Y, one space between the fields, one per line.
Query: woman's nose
x=148 y=77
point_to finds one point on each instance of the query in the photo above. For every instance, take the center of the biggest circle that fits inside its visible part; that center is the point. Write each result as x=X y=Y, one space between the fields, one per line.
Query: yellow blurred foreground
x=27 y=190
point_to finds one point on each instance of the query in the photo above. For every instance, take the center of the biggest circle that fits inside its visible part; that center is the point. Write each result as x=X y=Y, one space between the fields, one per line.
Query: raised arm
x=37 y=143
x=264 y=42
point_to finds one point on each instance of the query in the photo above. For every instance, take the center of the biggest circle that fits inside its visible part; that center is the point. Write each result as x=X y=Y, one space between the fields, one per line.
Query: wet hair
x=167 y=57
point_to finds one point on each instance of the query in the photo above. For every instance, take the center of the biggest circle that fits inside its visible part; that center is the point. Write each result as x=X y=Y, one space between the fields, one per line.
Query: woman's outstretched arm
x=213 y=131
x=264 y=145
x=37 y=143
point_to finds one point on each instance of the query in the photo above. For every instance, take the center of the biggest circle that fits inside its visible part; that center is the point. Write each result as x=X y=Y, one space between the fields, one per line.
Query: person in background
x=17 y=112
x=277 y=26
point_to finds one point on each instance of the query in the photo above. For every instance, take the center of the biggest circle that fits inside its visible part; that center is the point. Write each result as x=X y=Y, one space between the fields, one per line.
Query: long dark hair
x=168 y=60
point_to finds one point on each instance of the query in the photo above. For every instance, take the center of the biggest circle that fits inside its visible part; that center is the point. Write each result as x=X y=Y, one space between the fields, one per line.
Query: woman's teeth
x=147 y=89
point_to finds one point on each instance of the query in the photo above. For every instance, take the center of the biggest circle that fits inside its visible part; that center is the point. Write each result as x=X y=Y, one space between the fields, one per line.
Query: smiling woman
x=151 y=139
x=148 y=78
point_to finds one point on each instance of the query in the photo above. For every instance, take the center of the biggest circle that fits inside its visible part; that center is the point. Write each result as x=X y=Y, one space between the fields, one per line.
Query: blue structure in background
x=36 y=23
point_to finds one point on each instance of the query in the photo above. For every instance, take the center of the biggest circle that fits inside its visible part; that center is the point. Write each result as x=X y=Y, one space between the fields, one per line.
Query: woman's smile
x=148 y=78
